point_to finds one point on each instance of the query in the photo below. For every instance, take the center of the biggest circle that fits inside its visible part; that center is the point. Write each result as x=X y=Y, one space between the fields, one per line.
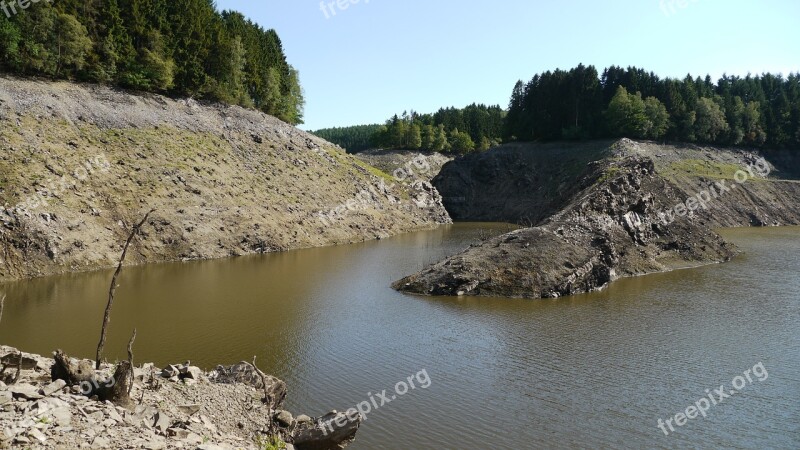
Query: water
x=595 y=370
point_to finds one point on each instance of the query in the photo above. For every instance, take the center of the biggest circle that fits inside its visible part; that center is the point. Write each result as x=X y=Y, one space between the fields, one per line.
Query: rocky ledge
x=611 y=229
x=176 y=407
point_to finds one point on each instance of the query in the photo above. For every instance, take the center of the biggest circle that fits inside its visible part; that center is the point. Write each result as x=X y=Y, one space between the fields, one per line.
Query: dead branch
x=2 y=305
x=130 y=360
x=266 y=398
x=113 y=288
x=19 y=369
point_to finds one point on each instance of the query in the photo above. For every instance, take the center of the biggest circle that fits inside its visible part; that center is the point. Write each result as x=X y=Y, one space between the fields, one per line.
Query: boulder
x=334 y=431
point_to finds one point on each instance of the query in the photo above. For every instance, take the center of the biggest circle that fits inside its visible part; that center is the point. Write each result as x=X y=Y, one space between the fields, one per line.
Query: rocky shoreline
x=176 y=407
x=640 y=208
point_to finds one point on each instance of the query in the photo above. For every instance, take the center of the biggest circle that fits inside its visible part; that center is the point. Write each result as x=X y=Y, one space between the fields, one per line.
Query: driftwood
x=113 y=288
x=130 y=360
x=2 y=305
x=115 y=389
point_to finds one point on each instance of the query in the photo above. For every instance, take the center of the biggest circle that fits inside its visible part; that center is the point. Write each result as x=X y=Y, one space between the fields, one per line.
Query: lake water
x=595 y=370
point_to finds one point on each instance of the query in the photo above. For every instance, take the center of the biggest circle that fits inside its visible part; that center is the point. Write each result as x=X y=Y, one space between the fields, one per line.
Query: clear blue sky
x=380 y=57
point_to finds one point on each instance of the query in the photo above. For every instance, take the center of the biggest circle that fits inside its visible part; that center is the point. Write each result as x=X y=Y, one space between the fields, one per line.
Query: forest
x=756 y=111
x=175 y=47
x=449 y=130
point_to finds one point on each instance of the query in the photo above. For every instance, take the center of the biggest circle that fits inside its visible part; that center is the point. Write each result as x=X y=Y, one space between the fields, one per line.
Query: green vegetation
x=270 y=443
x=178 y=47
x=449 y=130
x=355 y=139
x=760 y=111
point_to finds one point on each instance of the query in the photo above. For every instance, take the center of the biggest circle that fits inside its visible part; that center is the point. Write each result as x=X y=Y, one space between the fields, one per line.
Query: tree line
x=449 y=130
x=177 y=47
x=761 y=111
x=758 y=111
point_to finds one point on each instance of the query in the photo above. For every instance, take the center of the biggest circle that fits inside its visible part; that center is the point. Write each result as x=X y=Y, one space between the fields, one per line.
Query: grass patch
x=702 y=168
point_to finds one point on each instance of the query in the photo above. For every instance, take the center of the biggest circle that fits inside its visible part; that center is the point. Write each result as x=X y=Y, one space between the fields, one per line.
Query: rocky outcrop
x=178 y=406
x=80 y=163
x=611 y=230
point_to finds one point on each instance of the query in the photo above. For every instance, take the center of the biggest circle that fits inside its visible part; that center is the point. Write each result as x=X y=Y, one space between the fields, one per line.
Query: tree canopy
x=177 y=47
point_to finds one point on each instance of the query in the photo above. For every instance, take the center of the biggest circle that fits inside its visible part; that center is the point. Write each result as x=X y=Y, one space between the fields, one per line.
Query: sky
x=374 y=58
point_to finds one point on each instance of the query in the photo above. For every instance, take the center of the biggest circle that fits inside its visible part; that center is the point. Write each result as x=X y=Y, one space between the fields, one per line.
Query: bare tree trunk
x=113 y=288
x=130 y=360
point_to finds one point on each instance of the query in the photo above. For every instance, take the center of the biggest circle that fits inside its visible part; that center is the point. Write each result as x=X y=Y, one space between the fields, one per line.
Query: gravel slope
x=80 y=163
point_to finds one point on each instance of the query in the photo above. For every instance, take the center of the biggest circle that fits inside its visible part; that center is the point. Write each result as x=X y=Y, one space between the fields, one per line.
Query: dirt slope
x=637 y=210
x=80 y=163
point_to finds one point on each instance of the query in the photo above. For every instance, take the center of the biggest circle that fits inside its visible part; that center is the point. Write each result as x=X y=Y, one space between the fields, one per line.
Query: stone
x=189 y=409
x=284 y=418
x=192 y=372
x=302 y=418
x=162 y=422
x=38 y=435
x=115 y=416
x=24 y=391
x=61 y=416
x=170 y=372
x=326 y=433
x=178 y=433
x=101 y=442
x=52 y=388
x=5 y=397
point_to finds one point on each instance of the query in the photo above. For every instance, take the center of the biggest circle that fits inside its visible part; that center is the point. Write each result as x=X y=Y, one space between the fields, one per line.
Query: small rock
x=162 y=422
x=192 y=372
x=52 y=388
x=284 y=418
x=178 y=433
x=101 y=442
x=189 y=409
x=25 y=391
x=170 y=372
x=302 y=418
x=5 y=397
x=38 y=435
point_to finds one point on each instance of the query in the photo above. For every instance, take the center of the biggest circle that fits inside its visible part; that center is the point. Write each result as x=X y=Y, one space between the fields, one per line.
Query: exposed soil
x=223 y=181
x=599 y=221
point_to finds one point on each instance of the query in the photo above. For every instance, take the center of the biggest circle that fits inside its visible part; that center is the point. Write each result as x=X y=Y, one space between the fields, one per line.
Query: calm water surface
x=594 y=370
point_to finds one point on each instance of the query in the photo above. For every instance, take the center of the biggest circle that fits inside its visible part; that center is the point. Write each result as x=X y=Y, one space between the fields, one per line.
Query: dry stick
x=130 y=360
x=2 y=305
x=19 y=369
x=107 y=316
x=266 y=398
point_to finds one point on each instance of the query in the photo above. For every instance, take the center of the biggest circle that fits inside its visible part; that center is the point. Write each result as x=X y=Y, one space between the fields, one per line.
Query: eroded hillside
x=641 y=208
x=79 y=164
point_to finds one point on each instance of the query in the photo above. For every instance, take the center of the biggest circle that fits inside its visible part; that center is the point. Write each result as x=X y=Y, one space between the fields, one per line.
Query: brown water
x=594 y=370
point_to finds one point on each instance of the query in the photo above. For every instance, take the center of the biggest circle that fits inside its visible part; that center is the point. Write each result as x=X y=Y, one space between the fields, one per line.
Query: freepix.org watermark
x=380 y=399
x=713 y=398
x=671 y=7
x=10 y=7
x=54 y=188
x=702 y=199
x=330 y=8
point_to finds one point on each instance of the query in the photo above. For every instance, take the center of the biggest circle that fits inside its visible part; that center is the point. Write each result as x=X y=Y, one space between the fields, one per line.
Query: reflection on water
x=594 y=370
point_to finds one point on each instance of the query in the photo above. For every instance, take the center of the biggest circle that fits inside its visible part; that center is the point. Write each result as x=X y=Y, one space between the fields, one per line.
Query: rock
x=178 y=433
x=192 y=372
x=330 y=432
x=24 y=391
x=62 y=416
x=38 y=435
x=101 y=442
x=5 y=397
x=52 y=388
x=189 y=409
x=170 y=372
x=12 y=359
x=284 y=418
x=302 y=418
x=162 y=422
